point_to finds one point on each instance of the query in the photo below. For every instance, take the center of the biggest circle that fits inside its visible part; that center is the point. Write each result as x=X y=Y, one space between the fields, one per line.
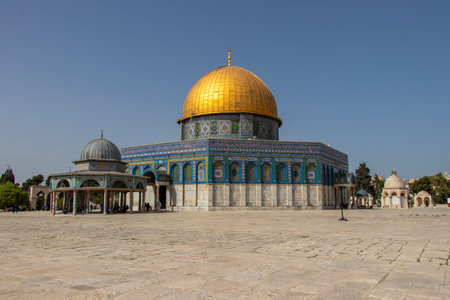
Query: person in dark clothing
x=116 y=208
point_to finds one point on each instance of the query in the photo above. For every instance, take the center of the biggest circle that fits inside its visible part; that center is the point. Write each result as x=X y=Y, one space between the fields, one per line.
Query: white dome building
x=395 y=192
x=423 y=199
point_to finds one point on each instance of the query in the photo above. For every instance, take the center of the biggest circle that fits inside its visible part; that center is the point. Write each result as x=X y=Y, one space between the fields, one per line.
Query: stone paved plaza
x=377 y=254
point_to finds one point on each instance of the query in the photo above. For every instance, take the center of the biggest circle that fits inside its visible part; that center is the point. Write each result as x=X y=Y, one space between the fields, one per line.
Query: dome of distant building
x=230 y=89
x=394 y=182
x=395 y=192
x=423 y=199
x=100 y=149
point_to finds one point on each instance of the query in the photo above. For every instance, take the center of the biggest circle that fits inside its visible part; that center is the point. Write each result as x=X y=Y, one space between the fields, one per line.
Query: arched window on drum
x=136 y=171
x=265 y=173
x=218 y=172
x=311 y=173
x=200 y=172
x=281 y=173
x=296 y=173
x=234 y=173
x=175 y=174
x=250 y=173
x=187 y=173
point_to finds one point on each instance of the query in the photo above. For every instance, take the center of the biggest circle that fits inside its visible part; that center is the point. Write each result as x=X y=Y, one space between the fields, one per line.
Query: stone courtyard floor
x=377 y=254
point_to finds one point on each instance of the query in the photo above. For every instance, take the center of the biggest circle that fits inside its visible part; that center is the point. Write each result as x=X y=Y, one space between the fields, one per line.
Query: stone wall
x=225 y=196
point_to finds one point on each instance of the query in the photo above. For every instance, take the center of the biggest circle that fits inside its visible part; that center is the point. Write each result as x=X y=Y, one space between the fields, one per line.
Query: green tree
x=7 y=176
x=377 y=187
x=363 y=178
x=35 y=180
x=12 y=195
x=437 y=185
x=96 y=197
x=423 y=184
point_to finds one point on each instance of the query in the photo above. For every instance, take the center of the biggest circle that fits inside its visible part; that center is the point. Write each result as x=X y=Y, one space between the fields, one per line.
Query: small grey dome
x=362 y=193
x=100 y=149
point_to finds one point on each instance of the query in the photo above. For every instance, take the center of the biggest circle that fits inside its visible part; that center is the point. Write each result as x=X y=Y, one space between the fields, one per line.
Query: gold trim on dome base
x=230 y=89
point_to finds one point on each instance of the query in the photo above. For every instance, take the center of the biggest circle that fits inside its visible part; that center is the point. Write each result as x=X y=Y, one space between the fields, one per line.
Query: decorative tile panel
x=246 y=128
x=214 y=128
x=234 y=127
x=197 y=130
x=224 y=127
x=205 y=129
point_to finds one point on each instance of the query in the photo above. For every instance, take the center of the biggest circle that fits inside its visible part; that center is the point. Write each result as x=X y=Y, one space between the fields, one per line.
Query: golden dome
x=230 y=89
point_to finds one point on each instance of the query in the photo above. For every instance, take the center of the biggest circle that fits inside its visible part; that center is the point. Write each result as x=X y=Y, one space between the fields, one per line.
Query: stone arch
x=296 y=173
x=136 y=171
x=250 y=172
x=419 y=201
x=162 y=168
x=187 y=173
x=140 y=186
x=403 y=200
x=146 y=169
x=119 y=184
x=218 y=172
x=63 y=183
x=282 y=173
x=311 y=173
x=89 y=183
x=235 y=172
x=395 y=201
x=175 y=173
x=266 y=169
x=200 y=172
x=38 y=197
x=151 y=178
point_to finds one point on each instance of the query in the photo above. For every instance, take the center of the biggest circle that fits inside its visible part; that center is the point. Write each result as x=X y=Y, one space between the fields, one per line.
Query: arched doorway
x=40 y=201
x=394 y=199
x=419 y=201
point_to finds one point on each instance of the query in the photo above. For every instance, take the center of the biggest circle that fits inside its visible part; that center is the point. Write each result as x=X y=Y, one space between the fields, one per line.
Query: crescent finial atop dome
x=229 y=56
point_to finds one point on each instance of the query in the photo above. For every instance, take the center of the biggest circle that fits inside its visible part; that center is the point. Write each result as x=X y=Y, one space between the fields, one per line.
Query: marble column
x=131 y=201
x=140 y=202
x=143 y=199
x=52 y=196
x=75 y=202
x=64 y=200
x=88 y=196
x=157 y=205
x=105 y=201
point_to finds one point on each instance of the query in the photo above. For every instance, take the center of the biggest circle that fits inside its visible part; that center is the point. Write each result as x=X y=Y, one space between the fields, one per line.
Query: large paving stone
x=377 y=254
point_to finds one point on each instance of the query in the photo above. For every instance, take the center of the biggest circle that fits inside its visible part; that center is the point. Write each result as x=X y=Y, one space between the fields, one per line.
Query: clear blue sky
x=370 y=78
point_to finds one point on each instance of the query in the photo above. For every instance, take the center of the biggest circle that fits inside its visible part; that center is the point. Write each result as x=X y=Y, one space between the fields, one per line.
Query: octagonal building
x=229 y=156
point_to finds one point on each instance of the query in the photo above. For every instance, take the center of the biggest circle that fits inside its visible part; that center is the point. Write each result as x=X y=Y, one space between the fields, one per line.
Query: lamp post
x=342 y=210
